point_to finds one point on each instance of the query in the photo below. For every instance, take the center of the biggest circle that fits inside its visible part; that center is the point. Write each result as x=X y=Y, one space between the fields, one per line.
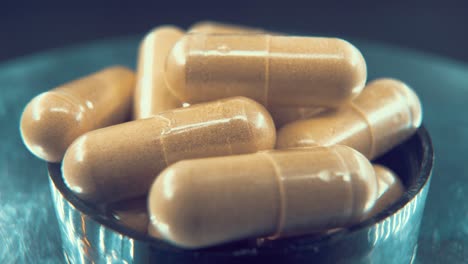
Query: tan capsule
x=211 y=27
x=273 y=70
x=151 y=93
x=52 y=120
x=284 y=115
x=390 y=189
x=386 y=113
x=132 y=214
x=121 y=161
x=280 y=115
x=204 y=202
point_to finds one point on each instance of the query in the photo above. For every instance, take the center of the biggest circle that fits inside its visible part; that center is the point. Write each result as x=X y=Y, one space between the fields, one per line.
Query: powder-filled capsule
x=121 y=162
x=54 y=119
x=280 y=115
x=204 y=202
x=386 y=113
x=390 y=188
x=273 y=70
x=151 y=93
x=285 y=115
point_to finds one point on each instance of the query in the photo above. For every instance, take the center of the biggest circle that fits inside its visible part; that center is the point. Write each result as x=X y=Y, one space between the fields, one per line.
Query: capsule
x=52 y=120
x=280 y=115
x=151 y=93
x=385 y=114
x=285 y=115
x=121 y=162
x=211 y=27
x=204 y=202
x=273 y=70
x=390 y=188
x=132 y=214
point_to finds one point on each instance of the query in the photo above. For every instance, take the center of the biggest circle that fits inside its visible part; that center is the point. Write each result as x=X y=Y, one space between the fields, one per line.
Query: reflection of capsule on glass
x=276 y=71
x=151 y=93
x=121 y=162
x=276 y=193
x=386 y=113
x=52 y=120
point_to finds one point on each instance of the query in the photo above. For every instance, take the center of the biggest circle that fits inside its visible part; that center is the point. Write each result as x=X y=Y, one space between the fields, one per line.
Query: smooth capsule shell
x=54 y=119
x=284 y=115
x=121 y=162
x=132 y=214
x=280 y=115
x=211 y=27
x=204 y=202
x=273 y=70
x=151 y=93
x=384 y=115
x=390 y=189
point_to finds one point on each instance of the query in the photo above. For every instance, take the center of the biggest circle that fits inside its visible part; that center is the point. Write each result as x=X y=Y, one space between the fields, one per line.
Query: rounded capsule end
x=261 y=124
x=175 y=67
x=295 y=135
x=363 y=181
x=172 y=209
x=413 y=102
x=50 y=123
x=356 y=73
x=77 y=172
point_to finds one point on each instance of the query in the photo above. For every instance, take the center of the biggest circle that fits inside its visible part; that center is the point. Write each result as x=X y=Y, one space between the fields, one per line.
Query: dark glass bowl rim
x=425 y=171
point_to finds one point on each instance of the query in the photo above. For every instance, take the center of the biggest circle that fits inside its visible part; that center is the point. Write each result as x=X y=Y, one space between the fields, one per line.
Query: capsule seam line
x=228 y=139
x=405 y=99
x=163 y=139
x=169 y=88
x=369 y=127
x=352 y=200
x=282 y=194
x=267 y=72
x=249 y=128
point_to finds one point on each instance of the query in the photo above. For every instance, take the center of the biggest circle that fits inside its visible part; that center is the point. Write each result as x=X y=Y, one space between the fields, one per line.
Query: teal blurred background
x=431 y=26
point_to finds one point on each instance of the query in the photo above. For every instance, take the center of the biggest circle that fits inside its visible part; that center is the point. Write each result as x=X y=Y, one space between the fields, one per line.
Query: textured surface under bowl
x=29 y=230
x=390 y=237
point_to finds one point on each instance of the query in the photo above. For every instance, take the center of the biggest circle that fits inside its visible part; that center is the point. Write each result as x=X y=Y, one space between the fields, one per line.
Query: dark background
x=440 y=28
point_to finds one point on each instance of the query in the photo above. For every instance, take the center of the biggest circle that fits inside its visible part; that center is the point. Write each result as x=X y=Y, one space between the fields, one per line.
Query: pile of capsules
x=236 y=133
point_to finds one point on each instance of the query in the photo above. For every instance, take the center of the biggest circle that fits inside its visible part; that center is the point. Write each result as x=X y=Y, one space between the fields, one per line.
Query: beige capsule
x=390 y=189
x=212 y=27
x=121 y=162
x=132 y=214
x=52 y=120
x=386 y=113
x=151 y=93
x=204 y=202
x=273 y=70
x=285 y=115
x=280 y=115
